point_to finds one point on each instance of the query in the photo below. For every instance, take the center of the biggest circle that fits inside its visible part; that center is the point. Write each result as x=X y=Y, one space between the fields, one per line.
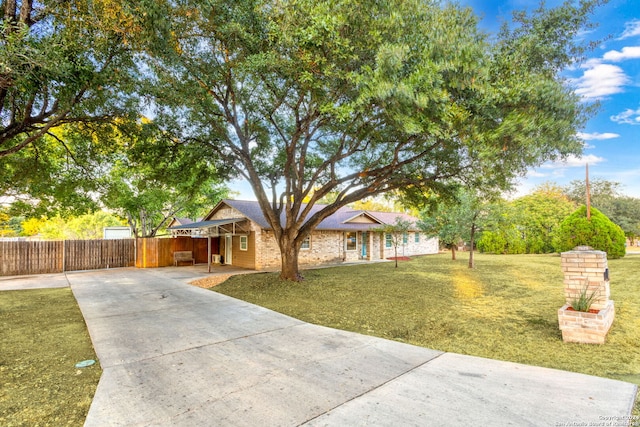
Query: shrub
x=500 y=242
x=599 y=233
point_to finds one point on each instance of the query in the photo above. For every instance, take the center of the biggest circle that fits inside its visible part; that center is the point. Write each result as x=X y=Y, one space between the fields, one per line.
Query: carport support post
x=209 y=254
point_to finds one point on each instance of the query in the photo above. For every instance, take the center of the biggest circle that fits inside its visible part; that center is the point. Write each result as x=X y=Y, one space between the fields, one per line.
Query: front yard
x=504 y=309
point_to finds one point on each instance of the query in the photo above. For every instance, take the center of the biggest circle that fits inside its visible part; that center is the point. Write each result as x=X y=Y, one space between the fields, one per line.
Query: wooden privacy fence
x=20 y=258
x=153 y=252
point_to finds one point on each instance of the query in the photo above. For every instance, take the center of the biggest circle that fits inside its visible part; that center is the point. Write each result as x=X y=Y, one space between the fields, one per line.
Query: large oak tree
x=305 y=98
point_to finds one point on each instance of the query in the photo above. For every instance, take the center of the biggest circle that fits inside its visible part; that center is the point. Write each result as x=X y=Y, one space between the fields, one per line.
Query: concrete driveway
x=177 y=355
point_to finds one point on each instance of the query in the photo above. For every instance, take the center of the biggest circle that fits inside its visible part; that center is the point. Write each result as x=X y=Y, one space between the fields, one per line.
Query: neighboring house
x=240 y=235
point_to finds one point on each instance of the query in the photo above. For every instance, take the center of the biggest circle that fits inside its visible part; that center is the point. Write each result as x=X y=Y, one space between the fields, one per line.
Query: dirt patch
x=399 y=258
x=211 y=281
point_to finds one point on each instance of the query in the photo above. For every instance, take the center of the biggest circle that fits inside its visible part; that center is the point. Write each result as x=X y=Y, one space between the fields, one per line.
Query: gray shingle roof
x=337 y=221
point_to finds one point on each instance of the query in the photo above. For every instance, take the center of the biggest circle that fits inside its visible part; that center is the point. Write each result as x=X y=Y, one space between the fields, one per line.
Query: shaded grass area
x=43 y=337
x=505 y=308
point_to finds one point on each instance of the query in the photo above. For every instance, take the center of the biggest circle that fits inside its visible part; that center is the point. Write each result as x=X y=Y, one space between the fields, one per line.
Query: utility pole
x=588 y=195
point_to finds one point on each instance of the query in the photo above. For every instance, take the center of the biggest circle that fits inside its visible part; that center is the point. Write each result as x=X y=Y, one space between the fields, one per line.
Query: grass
x=505 y=308
x=43 y=337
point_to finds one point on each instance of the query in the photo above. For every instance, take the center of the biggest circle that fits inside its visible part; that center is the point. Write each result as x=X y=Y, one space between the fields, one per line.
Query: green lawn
x=504 y=309
x=43 y=336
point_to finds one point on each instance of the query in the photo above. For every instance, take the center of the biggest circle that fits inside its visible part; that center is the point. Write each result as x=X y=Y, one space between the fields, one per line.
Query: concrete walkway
x=177 y=355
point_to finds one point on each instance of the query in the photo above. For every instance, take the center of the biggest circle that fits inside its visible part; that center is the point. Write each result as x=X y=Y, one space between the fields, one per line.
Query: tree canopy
x=60 y=63
x=598 y=232
x=306 y=98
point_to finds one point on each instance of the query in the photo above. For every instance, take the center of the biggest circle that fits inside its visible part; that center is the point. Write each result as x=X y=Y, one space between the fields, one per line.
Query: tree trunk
x=396 y=253
x=453 y=251
x=473 y=233
x=289 y=260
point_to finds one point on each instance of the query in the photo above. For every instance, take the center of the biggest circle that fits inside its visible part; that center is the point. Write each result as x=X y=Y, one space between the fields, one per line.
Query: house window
x=350 y=238
x=417 y=240
x=306 y=243
x=405 y=238
x=388 y=240
x=244 y=243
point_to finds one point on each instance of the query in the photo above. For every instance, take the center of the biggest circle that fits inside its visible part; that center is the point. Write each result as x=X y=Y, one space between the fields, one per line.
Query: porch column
x=209 y=254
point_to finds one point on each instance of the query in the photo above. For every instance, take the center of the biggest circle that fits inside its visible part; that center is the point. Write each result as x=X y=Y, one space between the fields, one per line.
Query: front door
x=227 y=249
x=364 y=245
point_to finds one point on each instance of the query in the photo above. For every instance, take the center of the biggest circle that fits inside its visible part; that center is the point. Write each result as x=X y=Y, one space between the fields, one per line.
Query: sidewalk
x=177 y=355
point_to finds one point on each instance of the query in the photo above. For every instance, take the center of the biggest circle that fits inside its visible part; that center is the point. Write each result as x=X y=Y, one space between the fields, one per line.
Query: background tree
x=374 y=205
x=503 y=231
x=304 y=98
x=542 y=211
x=397 y=232
x=626 y=214
x=5 y=228
x=83 y=227
x=455 y=221
x=157 y=179
x=90 y=226
x=603 y=194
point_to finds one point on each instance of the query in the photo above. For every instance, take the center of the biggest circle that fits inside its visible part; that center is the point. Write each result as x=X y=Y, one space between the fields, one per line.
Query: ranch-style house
x=239 y=235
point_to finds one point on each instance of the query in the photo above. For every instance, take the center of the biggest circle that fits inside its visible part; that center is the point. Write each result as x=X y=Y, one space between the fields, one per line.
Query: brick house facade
x=247 y=241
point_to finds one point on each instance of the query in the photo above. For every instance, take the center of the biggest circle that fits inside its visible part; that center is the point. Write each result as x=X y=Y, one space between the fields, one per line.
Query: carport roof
x=207 y=224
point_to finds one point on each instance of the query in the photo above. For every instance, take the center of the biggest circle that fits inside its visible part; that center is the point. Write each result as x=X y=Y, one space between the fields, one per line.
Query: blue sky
x=610 y=76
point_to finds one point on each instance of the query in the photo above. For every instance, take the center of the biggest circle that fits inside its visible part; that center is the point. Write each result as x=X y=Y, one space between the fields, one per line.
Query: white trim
x=244 y=241
x=228 y=249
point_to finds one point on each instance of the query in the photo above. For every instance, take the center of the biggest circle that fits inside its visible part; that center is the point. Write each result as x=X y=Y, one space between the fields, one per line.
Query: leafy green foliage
x=83 y=227
x=454 y=220
x=504 y=241
x=61 y=63
x=599 y=233
x=157 y=179
x=540 y=214
x=502 y=231
x=398 y=231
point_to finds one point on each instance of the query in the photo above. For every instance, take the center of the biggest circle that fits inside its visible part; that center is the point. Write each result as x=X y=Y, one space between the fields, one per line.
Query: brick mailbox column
x=586 y=273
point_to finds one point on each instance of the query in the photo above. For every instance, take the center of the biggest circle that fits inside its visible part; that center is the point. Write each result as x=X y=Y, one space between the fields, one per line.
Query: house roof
x=344 y=219
x=183 y=221
x=207 y=224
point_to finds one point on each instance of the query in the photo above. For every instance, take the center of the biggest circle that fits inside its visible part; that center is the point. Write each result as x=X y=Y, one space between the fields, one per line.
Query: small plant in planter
x=584 y=300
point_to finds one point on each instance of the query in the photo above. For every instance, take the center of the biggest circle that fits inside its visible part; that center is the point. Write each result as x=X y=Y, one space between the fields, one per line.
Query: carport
x=214 y=229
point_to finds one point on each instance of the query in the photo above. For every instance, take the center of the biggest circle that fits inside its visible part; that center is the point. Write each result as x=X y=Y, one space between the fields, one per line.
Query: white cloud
x=628 y=116
x=631 y=29
x=628 y=52
x=597 y=136
x=536 y=174
x=600 y=80
x=574 y=162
